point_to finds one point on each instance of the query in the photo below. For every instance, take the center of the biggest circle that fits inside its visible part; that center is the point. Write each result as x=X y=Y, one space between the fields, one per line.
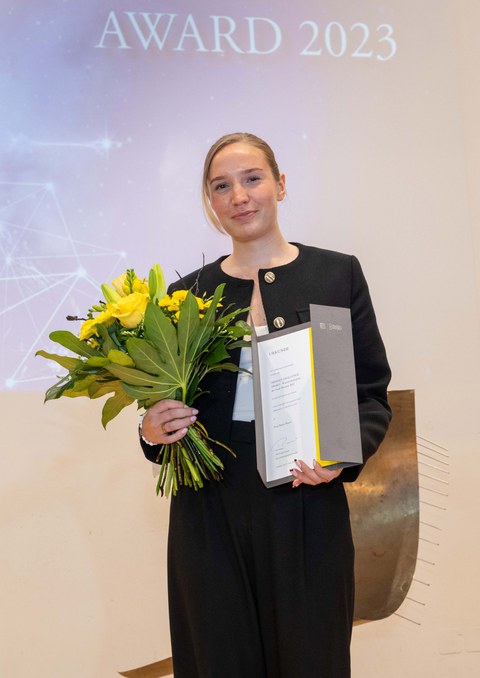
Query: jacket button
x=279 y=322
x=269 y=277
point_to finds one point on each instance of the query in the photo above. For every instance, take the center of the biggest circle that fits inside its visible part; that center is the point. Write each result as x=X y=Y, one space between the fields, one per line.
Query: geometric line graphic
x=45 y=274
x=102 y=146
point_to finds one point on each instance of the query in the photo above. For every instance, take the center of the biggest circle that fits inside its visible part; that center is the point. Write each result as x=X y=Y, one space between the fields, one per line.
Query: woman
x=261 y=580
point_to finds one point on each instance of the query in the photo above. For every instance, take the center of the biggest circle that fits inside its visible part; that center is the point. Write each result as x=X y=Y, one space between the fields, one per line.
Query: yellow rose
x=87 y=330
x=130 y=309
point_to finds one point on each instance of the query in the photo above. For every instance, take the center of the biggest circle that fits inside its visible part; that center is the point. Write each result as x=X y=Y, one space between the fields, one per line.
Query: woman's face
x=244 y=193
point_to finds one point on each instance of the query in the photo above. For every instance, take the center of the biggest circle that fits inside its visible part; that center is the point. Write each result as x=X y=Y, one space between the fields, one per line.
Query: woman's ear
x=281 y=191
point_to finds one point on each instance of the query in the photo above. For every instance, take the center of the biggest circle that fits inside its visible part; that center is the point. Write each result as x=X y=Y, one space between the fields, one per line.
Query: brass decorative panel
x=384 y=512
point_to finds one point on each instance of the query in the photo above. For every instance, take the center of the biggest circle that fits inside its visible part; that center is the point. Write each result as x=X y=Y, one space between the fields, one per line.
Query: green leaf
x=65 y=361
x=115 y=405
x=73 y=343
x=245 y=327
x=187 y=329
x=58 y=389
x=145 y=385
x=231 y=367
x=210 y=315
x=239 y=344
x=80 y=387
x=236 y=332
x=97 y=361
x=147 y=358
x=226 y=318
x=71 y=393
x=216 y=355
x=130 y=375
x=205 y=330
x=162 y=334
x=196 y=394
x=120 y=358
x=105 y=338
x=149 y=395
x=97 y=389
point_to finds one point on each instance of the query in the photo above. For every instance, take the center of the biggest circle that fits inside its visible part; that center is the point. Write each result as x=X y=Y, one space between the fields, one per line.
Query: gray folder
x=335 y=387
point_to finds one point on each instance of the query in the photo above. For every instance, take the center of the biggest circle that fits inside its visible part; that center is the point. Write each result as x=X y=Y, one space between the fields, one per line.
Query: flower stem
x=187 y=463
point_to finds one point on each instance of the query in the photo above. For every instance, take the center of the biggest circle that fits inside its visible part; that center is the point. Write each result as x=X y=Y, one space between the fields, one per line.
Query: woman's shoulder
x=328 y=255
x=316 y=256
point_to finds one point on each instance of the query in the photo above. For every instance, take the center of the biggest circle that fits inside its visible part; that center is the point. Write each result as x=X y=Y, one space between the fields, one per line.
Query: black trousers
x=260 y=580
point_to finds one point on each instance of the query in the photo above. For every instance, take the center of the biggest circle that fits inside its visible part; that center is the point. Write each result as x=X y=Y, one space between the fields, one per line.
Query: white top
x=243 y=409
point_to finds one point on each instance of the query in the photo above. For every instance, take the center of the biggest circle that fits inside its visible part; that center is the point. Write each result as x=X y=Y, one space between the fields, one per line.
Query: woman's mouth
x=241 y=216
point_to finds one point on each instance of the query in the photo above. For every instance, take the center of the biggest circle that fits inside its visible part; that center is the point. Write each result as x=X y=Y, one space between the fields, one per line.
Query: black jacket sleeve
x=372 y=370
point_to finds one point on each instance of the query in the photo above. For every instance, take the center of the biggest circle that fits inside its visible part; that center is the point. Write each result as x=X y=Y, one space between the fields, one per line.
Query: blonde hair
x=226 y=140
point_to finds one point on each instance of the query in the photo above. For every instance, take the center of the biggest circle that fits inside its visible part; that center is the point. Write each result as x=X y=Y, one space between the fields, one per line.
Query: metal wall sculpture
x=384 y=512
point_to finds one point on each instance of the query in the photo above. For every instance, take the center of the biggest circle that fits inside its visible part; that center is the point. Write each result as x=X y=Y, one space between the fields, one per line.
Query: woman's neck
x=248 y=257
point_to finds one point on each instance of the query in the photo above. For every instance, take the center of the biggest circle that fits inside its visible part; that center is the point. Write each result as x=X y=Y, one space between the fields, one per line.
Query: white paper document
x=287 y=400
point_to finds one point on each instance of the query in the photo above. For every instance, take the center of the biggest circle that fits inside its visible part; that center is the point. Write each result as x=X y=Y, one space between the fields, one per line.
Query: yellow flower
x=122 y=288
x=130 y=309
x=173 y=302
x=178 y=297
x=203 y=304
x=118 y=284
x=141 y=286
x=88 y=329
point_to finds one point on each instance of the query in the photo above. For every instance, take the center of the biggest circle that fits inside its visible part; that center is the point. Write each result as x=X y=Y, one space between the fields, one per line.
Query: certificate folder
x=305 y=396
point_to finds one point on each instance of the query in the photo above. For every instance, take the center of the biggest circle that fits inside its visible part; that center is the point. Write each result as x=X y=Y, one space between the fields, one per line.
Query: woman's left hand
x=313 y=476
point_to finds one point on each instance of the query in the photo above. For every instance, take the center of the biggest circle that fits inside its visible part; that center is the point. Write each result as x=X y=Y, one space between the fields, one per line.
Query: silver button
x=269 y=276
x=279 y=322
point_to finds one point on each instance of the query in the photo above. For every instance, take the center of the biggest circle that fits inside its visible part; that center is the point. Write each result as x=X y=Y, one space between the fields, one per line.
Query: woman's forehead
x=239 y=156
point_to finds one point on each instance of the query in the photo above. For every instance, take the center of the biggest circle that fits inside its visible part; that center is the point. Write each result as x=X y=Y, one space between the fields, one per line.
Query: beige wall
x=469 y=84
x=82 y=573
x=441 y=638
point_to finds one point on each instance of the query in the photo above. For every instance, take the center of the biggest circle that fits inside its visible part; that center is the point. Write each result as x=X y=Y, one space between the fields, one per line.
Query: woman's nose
x=239 y=194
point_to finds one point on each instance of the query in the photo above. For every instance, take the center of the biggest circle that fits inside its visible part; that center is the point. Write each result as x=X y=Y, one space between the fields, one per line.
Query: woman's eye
x=220 y=187
x=253 y=178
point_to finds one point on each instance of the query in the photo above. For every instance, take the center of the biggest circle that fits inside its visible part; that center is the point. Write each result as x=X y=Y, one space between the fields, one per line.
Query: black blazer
x=316 y=276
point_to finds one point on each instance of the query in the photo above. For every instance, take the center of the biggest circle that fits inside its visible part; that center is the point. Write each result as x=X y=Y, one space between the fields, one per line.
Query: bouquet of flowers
x=141 y=344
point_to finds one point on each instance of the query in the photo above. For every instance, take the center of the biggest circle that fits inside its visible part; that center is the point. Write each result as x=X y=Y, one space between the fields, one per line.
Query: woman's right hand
x=167 y=421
